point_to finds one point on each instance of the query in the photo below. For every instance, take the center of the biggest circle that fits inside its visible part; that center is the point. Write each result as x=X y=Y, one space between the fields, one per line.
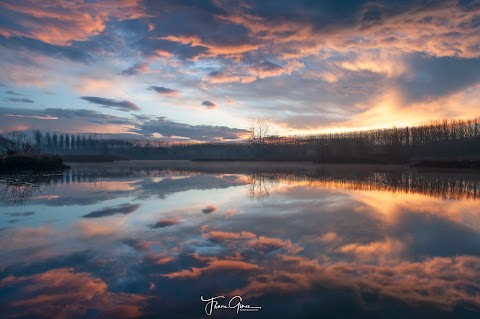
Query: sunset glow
x=202 y=70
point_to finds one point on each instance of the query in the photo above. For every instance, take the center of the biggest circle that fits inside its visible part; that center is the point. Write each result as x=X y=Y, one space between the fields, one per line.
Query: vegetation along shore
x=444 y=144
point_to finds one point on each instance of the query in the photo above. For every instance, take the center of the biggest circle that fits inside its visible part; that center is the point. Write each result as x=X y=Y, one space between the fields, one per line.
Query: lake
x=151 y=239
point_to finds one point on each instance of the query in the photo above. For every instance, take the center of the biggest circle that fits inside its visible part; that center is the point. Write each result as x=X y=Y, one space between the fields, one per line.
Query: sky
x=202 y=70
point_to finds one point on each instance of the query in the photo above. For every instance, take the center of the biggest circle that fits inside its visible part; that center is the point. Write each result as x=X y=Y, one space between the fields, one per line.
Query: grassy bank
x=31 y=162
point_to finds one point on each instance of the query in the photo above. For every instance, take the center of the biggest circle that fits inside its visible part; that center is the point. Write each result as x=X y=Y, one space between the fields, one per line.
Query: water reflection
x=144 y=240
x=17 y=189
x=149 y=181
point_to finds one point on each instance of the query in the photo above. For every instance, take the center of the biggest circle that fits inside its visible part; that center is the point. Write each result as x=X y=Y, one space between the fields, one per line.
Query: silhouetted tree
x=259 y=131
x=48 y=138
x=38 y=137
x=67 y=142
x=78 y=142
x=15 y=142
x=61 y=142
x=55 y=141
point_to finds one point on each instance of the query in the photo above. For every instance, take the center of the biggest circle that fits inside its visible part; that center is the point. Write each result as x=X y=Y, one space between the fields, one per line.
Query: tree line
x=453 y=139
x=448 y=139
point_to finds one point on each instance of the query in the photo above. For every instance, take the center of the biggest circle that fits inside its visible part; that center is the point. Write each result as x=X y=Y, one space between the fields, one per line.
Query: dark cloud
x=438 y=76
x=209 y=209
x=209 y=104
x=73 y=53
x=123 y=209
x=316 y=13
x=153 y=48
x=12 y=93
x=144 y=126
x=136 y=69
x=84 y=113
x=165 y=223
x=66 y=120
x=268 y=66
x=432 y=235
x=163 y=90
x=121 y=105
x=20 y=214
x=19 y=100
x=167 y=128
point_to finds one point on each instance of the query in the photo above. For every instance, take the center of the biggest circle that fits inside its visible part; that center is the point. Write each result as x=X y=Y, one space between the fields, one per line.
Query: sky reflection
x=298 y=244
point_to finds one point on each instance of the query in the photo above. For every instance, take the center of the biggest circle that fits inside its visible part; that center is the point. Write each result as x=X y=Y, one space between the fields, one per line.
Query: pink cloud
x=61 y=22
x=46 y=294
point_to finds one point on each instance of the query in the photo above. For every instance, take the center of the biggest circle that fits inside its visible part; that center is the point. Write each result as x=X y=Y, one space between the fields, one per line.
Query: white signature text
x=234 y=303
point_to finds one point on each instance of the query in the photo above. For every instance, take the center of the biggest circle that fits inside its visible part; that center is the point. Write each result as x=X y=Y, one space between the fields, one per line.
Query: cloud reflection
x=122 y=209
x=64 y=293
x=376 y=240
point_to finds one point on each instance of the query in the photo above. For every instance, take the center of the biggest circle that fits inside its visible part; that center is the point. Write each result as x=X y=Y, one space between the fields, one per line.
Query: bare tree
x=259 y=130
x=15 y=142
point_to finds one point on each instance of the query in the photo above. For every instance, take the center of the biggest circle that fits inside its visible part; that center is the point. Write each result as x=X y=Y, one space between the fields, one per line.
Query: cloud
x=89 y=229
x=229 y=99
x=12 y=92
x=249 y=73
x=267 y=69
x=86 y=114
x=308 y=65
x=165 y=223
x=66 y=120
x=47 y=293
x=121 y=105
x=89 y=121
x=221 y=236
x=390 y=248
x=214 y=266
x=214 y=48
x=19 y=100
x=137 y=68
x=267 y=244
x=435 y=77
x=168 y=128
x=123 y=209
x=32 y=49
x=38 y=117
x=163 y=90
x=436 y=282
x=21 y=214
x=228 y=76
x=210 y=105
x=209 y=209
x=62 y=22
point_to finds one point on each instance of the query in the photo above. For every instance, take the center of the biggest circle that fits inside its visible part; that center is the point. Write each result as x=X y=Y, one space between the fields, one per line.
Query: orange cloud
x=213 y=266
x=61 y=22
x=437 y=282
x=263 y=243
x=249 y=74
x=89 y=229
x=63 y=293
x=223 y=235
x=214 y=49
x=389 y=109
x=389 y=248
x=268 y=70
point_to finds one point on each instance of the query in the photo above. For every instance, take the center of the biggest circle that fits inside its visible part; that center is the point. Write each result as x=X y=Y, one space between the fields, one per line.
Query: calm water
x=129 y=240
